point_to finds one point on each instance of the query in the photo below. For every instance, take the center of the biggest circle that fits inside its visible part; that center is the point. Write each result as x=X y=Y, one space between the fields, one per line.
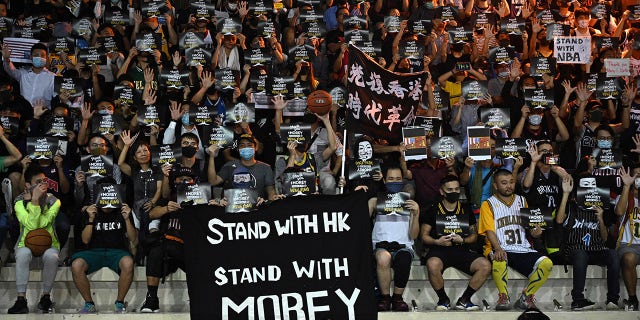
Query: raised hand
x=176 y=113
x=535 y=155
x=86 y=111
x=582 y=92
x=626 y=176
x=567 y=184
x=126 y=137
x=636 y=141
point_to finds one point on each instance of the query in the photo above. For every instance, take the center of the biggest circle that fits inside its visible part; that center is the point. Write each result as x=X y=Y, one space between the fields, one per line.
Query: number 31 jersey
x=504 y=219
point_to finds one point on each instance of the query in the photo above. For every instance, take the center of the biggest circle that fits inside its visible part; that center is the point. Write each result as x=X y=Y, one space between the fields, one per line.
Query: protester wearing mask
x=496 y=84
x=540 y=46
x=36 y=83
x=103 y=107
x=180 y=117
x=581 y=23
x=392 y=239
x=259 y=174
x=97 y=146
x=452 y=250
x=531 y=125
x=230 y=52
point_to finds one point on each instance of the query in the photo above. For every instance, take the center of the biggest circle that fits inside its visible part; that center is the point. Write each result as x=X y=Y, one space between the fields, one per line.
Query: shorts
x=524 y=263
x=394 y=253
x=97 y=259
x=460 y=259
x=625 y=248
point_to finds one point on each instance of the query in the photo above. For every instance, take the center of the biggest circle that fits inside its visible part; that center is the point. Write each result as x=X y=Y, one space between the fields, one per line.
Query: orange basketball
x=38 y=241
x=319 y=102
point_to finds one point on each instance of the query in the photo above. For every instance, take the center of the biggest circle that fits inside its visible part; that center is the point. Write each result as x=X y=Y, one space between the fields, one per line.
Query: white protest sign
x=572 y=49
x=617 y=67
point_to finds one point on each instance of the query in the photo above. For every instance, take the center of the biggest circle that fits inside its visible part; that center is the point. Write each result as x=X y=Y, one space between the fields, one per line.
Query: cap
x=246 y=136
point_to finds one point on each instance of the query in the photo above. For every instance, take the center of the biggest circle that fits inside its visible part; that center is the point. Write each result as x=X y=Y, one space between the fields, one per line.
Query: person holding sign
x=628 y=242
x=447 y=228
x=36 y=83
x=35 y=209
x=392 y=237
x=541 y=185
x=531 y=125
x=585 y=244
x=107 y=234
x=507 y=244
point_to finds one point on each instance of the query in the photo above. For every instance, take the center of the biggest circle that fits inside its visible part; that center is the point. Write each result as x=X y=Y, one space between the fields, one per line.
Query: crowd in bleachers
x=111 y=110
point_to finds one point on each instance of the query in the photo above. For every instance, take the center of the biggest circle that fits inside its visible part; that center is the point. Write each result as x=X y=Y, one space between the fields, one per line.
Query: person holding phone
x=452 y=250
x=541 y=184
x=585 y=245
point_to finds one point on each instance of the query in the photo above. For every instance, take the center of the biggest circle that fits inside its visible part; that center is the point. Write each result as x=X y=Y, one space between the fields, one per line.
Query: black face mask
x=189 y=151
x=301 y=147
x=504 y=43
x=452 y=196
x=304 y=71
x=212 y=90
x=596 y=116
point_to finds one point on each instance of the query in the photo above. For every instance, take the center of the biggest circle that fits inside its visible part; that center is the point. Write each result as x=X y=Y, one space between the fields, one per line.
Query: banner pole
x=344 y=156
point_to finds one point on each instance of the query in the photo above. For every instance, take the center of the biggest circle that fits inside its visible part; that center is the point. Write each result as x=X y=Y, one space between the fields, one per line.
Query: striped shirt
x=583 y=230
x=504 y=220
x=630 y=230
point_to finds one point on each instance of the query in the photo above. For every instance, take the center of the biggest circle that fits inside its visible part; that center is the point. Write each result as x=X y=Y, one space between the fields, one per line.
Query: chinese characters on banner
x=380 y=102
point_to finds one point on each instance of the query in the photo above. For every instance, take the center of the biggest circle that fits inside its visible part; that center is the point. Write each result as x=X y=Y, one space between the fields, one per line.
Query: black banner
x=372 y=48
x=514 y=26
x=441 y=98
x=474 y=89
x=116 y=17
x=313 y=28
x=91 y=56
x=496 y=117
x=204 y=115
x=339 y=96
x=193 y=194
x=635 y=12
x=392 y=23
x=609 y=88
x=431 y=125
x=108 y=195
x=557 y=30
x=363 y=169
x=226 y=79
x=198 y=56
x=447 y=224
x=228 y=26
x=280 y=86
x=169 y=154
x=190 y=40
x=63 y=44
x=97 y=166
x=415 y=141
x=511 y=148
x=42 y=147
x=304 y=53
x=148 y=115
x=539 y=98
x=175 y=79
x=240 y=200
x=111 y=44
x=106 y=124
x=10 y=125
x=380 y=102
x=536 y=217
x=447 y=13
x=606 y=42
x=240 y=112
x=593 y=195
x=392 y=203
x=502 y=55
x=202 y=9
x=258 y=56
x=607 y=158
x=126 y=95
x=542 y=65
x=297 y=132
x=460 y=35
x=325 y=269
x=445 y=147
x=600 y=11
x=148 y=42
x=299 y=183
x=218 y=135
x=69 y=85
x=356 y=35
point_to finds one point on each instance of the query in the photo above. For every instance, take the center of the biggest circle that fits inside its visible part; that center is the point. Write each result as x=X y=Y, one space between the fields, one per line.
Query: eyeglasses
x=39 y=181
x=606 y=138
x=98 y=145
x=545 y=151
x=187 y=143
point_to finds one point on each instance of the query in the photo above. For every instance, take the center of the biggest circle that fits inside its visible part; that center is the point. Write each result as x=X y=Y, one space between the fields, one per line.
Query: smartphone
x=463 y=66
x=550 y=160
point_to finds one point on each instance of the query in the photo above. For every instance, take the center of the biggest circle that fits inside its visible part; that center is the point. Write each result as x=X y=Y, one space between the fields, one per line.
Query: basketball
x=38 y=241
x=319 y=102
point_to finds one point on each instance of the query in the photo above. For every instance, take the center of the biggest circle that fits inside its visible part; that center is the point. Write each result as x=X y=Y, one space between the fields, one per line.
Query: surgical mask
x=105 y=112
x=185 y=119
x=38 y=62
x=246 y=153
x=596 y=116
x=232 y=6
x=583 y=23
x=503 y=74
x=605 y=144
x=189 y=151
x=429 y=5
x=535 y=120
x=394 y=187
x=452 y=196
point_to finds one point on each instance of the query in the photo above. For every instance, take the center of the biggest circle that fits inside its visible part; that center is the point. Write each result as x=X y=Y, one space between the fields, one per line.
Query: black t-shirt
x=429 y=216
x=109 y=230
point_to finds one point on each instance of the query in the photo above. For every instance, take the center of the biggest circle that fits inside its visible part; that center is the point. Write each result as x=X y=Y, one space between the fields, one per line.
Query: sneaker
x=150 y=305
x=504 y=303
x=384 y=304
x=582 y=304
x=89 y=307
x=20 y=307
x=443 y=305
x=120 y=307
x=631 y=305
x=397 y=304
x=466 y=305
x=45 y=304
x=611 y=305
x=526 y=302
